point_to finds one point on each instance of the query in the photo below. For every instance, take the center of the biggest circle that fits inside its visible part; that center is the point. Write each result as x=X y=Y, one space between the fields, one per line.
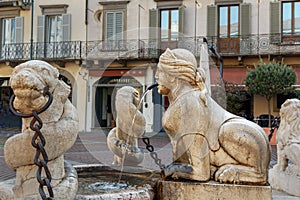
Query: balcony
x=132 y=49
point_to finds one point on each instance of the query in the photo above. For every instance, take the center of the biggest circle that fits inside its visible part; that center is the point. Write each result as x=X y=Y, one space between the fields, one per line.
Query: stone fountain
x=216 y=155
x=49 y=129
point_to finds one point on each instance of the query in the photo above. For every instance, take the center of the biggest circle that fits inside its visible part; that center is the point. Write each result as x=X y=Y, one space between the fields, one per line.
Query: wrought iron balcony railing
x=252 y=45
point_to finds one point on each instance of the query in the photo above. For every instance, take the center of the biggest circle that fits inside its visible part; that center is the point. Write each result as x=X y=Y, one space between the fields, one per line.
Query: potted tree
x=270 y=79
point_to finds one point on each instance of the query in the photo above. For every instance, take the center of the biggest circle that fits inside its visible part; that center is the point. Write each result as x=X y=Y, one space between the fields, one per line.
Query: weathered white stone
x=66 y=189
x=285 y=175
x=123 y=140
x=60 y=128
x=170 y=190
x=284 y=181
x=207 y=141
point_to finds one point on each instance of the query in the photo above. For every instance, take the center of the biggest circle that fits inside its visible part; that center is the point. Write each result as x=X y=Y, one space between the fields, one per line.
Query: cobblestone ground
x=91 y=148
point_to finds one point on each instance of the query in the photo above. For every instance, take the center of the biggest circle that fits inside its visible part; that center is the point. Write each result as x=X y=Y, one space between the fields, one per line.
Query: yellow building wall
x=261 y=106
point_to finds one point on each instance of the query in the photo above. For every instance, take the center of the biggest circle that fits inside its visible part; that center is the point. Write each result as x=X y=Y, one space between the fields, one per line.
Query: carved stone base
x=66 y=189
x=284 y=181
x=168 y=190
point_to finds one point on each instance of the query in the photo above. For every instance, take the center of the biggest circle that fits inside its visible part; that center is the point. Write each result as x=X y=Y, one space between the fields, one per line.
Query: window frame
x=3 y=30
x=48 y=28
x=115 y=44
x=292 y=12
x=169 y=35
x=228 y=21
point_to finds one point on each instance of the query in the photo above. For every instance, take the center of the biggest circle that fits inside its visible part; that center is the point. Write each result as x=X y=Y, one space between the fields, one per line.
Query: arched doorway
x=68 y=82
x=7 y=119
x=105 y=91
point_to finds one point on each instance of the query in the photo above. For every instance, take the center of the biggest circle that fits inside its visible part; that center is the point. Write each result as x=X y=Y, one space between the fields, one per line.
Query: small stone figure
x=130 y=124
x=207 y=141
x=60 y=129
x=285 y=175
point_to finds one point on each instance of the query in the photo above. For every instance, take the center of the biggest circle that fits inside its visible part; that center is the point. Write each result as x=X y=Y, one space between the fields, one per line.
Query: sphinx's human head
x=176 y=64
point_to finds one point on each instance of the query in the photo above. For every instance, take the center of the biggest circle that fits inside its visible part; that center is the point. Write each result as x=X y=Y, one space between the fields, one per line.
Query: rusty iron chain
x=38 y=142
x=153 y=154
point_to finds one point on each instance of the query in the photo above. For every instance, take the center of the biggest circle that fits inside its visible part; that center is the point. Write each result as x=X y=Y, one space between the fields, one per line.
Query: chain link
x=153 y=154
x=38 y=142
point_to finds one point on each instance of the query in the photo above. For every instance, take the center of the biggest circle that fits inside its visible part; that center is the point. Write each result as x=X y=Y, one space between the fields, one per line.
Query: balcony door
x=229 y=33
x=53 y=36
x=169 y=28
x=11 y=38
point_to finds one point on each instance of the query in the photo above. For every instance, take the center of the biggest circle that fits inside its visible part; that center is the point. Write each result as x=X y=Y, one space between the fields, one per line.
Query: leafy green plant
x=269 y=79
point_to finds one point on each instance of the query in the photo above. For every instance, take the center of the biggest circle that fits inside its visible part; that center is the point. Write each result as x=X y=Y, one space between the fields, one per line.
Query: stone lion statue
x=207 y=141
x=60 y=129
x=130 y=124
x=288 y=136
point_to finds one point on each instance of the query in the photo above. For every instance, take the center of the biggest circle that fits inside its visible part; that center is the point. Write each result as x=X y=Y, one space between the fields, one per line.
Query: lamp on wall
x=28 y=3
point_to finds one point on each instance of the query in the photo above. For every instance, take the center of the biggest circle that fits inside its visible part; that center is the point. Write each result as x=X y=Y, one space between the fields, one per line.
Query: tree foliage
x=269 y=79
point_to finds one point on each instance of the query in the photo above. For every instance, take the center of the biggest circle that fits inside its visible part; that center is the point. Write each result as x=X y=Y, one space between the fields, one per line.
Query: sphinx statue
x=130 y=125
x=208 y=143
x=60 y=129
x=285 y=175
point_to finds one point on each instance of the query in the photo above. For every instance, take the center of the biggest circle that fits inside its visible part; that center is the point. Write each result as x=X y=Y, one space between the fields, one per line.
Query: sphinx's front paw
x=175 y=169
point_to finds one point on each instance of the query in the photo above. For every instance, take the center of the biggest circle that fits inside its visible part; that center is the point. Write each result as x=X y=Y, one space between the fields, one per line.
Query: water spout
x=152 y=86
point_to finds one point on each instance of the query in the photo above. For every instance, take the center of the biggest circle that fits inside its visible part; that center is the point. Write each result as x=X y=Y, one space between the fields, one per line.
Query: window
x=11 y=37
x=53 y=36
x=291 y=18
x=8 y=31
x=228 y=21
x=169 y=24
x=114 y=23
x=54 y=33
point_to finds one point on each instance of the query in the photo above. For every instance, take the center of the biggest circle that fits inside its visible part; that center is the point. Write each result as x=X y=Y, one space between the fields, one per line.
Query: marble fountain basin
x=112 y=182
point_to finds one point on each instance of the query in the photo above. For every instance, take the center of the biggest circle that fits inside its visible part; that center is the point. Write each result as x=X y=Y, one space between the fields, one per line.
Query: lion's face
x=28 y=84
x=289 y=120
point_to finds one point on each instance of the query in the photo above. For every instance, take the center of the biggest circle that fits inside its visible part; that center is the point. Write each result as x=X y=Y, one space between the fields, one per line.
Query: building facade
x=99 y=46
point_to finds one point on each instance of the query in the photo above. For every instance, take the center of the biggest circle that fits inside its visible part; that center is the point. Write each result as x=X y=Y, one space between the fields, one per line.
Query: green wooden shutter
x=153 y=24
x=245 y=25
x=275 y=16
x=119 y=25
x=40 y=48
x=109 y=32
x=153 y=33
x=181 y=21
x=119 y=30
x=41 y=28
x=212 y=19
x=19 y=36
x=245 y=19
x=66 y=35
x=66 y=27
x=19 y=29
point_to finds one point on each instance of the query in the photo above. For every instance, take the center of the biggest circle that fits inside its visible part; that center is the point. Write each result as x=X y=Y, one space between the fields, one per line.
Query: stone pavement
x=91 y=148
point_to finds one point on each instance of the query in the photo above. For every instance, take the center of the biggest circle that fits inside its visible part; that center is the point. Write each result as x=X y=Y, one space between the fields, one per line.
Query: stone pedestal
x=285 y=181
x=168 y=190
x=66 y=189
